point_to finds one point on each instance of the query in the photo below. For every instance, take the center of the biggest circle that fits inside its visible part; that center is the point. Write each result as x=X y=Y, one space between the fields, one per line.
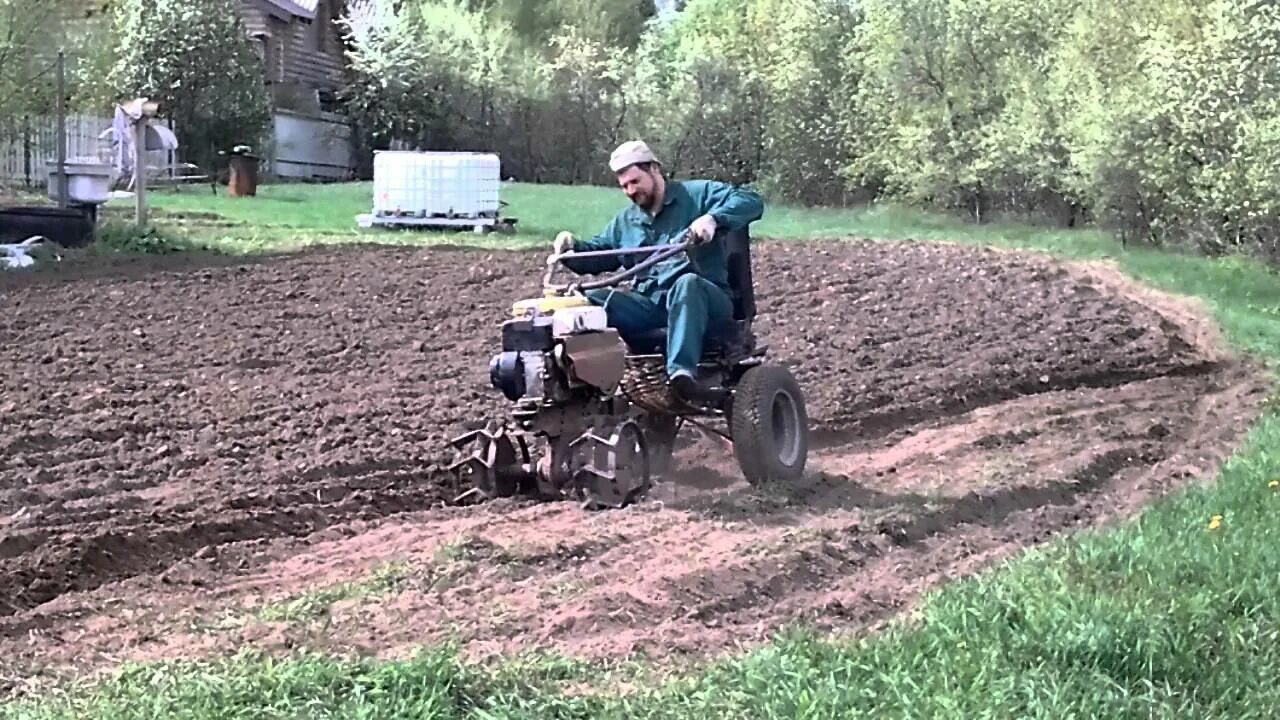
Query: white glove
x=703 y=229
x=563 y=244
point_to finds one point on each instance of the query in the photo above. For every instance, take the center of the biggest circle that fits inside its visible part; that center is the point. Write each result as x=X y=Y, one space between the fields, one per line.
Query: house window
x=328 y=101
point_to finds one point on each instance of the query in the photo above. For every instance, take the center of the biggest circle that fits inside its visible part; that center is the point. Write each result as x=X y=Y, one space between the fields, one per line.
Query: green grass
x=1163 y=617
x=290 y=216
x=317 y=603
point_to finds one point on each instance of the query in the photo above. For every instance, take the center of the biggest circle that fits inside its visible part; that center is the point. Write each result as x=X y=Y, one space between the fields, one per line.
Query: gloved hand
x=702 y=229
x=563 y=243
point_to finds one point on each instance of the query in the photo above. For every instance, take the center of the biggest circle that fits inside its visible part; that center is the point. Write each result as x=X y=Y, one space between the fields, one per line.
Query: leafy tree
x=30 y=33
x=428 y=74
x=618 y=23
x=743 y=91
x=1174 y=117
x=950 y=102
x=1159 y=118
x=196 y=60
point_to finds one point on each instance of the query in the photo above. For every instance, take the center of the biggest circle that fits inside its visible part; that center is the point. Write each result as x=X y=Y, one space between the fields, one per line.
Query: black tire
x=769 y=426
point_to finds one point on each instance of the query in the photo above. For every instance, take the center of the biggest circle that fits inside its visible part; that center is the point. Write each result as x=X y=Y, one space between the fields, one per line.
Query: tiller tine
x=493 y=469
x=617 y=471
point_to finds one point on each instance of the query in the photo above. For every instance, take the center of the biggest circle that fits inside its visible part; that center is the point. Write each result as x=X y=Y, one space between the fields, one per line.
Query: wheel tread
x=752 y=438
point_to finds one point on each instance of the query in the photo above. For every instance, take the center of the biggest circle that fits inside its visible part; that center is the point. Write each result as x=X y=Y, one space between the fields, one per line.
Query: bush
x=119 y=236
x=1159 y=119
x=1176 y=122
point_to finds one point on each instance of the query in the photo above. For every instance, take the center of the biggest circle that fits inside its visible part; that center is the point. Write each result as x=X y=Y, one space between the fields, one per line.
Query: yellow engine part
x=547 y=305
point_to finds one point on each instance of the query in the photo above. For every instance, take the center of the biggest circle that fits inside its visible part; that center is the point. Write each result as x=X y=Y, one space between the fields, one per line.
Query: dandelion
x=1274 y=484
x=1215 y=522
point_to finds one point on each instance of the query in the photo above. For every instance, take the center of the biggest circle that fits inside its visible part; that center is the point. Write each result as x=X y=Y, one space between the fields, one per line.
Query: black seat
x=737 y=337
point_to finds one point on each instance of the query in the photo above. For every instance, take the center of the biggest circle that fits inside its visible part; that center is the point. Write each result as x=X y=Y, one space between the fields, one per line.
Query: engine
x=555 y=349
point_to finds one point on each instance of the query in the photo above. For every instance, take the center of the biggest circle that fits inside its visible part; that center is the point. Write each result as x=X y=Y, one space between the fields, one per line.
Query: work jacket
x=732 y=207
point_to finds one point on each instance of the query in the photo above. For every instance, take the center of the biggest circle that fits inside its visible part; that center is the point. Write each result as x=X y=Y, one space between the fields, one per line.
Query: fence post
x=62 y=130
x=140 y=170
x=26 y=149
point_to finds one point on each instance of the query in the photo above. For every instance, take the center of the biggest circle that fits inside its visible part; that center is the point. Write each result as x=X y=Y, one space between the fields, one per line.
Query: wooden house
x=298 y=40
x=305 y=68
x=301 y=48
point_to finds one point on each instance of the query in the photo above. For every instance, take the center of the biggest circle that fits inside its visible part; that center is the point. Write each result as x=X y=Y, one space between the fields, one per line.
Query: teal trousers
x=693 y=310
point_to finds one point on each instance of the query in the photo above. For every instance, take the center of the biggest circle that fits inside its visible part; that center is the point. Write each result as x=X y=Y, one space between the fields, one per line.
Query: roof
x=301 y=8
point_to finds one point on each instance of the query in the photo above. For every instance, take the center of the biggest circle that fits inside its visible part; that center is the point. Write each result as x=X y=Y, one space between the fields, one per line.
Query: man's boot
x=695 y=393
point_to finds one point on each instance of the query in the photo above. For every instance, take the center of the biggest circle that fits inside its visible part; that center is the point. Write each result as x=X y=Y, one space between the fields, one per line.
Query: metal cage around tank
x=436 y=189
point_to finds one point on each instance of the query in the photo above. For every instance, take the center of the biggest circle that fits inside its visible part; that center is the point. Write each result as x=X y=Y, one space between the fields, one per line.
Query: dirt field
x=201 y=457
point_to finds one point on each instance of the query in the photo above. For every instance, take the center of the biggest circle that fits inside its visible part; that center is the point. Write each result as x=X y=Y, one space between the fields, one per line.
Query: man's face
x=640 y=185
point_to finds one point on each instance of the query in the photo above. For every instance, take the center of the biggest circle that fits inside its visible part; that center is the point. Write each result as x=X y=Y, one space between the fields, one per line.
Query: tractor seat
x=734 y=339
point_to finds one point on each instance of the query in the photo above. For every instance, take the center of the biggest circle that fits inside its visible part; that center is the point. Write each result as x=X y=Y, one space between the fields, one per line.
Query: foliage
x=1158 y=120
x=742 y=91
x=1176 y=140
x=950 y=104
x=30 y=35
x=196 y=60
x=441 y=75
x=117 y=236
x=617 y=23
x=426 y=74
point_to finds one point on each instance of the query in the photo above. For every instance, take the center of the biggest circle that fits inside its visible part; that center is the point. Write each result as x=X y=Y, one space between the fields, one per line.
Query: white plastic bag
x=16 y=256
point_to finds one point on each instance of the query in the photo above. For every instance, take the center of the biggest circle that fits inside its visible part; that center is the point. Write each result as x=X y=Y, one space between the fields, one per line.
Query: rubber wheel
x=769 y=426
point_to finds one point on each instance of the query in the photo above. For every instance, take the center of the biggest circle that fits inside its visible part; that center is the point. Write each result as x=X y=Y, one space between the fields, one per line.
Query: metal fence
x=29 y=147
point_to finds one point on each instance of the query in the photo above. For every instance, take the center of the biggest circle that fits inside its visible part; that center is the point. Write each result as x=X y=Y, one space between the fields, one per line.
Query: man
x=690 y=299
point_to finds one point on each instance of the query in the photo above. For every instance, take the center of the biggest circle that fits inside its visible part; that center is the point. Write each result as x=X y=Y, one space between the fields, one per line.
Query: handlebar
x=657 y=253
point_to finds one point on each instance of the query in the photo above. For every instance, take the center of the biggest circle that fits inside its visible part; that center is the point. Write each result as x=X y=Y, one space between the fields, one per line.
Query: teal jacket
x=685 y=201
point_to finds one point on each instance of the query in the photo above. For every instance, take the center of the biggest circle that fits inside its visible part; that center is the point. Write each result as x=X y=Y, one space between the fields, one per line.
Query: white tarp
x=158 y=137
x=17 y=255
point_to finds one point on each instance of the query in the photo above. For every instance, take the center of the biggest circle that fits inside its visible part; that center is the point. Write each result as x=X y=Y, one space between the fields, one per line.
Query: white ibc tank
x=426 y=184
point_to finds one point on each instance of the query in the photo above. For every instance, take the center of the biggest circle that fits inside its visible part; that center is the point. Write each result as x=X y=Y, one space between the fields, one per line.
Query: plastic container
x=87 y=183
x=436 y=184
x=243 y=176
x=571 y=321
x=545 y=306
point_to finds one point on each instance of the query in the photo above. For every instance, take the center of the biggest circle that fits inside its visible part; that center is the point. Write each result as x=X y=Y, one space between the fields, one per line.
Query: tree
x=617 y=23
x=741 y=90
x=430 y=74
x=196 y=60
x=30 y=32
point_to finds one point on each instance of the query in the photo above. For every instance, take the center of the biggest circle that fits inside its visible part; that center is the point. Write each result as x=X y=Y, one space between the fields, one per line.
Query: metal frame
x=657 y=253
x=370 y=220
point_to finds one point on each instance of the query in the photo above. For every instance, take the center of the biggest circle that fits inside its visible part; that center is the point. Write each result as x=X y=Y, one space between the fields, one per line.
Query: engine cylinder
x=506 y=373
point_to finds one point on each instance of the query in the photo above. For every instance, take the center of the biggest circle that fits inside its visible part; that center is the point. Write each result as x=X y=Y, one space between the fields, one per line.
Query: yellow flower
x=1274 y=484
x=1215 y=522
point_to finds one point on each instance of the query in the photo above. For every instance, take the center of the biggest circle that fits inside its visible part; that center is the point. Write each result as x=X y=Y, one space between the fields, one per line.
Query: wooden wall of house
x=301 y=55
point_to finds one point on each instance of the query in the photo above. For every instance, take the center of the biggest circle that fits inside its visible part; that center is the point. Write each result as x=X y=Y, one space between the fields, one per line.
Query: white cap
x=631 y=153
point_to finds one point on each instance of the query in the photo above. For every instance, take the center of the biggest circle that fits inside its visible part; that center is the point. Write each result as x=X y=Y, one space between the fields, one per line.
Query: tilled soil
x=189 y=446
